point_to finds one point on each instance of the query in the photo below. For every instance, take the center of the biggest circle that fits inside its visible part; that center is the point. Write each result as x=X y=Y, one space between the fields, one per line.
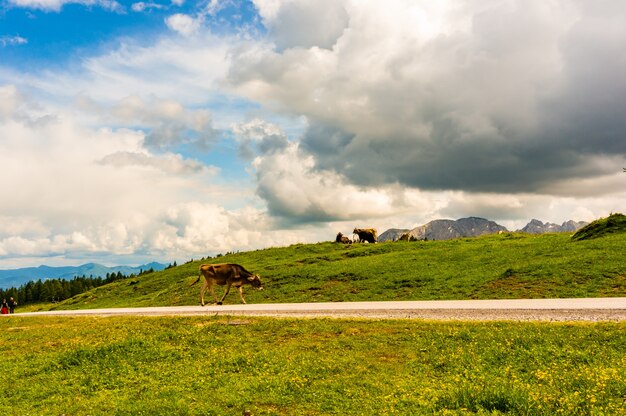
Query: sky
x=169 y=130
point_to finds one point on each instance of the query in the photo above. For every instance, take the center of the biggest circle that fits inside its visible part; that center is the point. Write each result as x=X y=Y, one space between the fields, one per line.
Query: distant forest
x=56 y=290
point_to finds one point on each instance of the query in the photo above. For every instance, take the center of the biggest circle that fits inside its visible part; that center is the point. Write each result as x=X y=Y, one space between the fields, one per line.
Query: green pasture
x=223 y=366
x=492 y=267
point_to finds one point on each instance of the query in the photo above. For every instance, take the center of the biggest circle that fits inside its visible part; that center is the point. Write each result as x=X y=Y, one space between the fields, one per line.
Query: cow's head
x=255 y=281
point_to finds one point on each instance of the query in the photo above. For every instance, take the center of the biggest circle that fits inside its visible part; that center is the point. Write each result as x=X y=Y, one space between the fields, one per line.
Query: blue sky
x=140 y=131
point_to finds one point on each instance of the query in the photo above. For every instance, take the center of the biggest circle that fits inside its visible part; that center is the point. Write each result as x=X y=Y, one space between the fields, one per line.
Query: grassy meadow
x=225 y=365
x=492 y=267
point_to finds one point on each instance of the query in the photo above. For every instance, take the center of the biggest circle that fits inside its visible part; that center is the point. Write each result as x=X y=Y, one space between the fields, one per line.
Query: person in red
x=5 y=307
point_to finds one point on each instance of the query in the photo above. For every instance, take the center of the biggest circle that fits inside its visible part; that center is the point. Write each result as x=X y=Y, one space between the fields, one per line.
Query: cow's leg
x=241 y=294
x=202 y=289
x=212 y=292
x=226 y=290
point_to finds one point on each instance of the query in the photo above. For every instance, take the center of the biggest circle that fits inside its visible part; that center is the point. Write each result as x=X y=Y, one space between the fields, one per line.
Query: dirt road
x=594 y=309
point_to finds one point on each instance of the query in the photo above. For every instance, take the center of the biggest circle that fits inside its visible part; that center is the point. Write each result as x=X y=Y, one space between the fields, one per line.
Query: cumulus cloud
x=184 y=24
x=295 y=191
x=304 y=23
x=258 y=136
x=476 y=96
x=78 y=189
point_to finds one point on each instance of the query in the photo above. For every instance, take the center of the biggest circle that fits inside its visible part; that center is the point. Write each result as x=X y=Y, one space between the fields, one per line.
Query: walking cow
x=228 y=275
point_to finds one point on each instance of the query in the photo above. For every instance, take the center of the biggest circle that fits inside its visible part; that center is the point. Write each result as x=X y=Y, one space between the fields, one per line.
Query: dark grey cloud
x=507 y=97
x=515 y=164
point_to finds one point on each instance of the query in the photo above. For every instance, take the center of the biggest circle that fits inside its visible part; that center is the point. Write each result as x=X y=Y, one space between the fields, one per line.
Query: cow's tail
x=197 y=280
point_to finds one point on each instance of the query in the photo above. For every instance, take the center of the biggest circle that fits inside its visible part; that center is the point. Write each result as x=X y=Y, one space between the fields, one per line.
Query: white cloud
x=143 y=6
x=75 y=190
x=294 y=190
x=184 y=24
x=168 y=123
x=398 y=59
x=259 y=137
x=304 y=23
x=12 y=41
x=169 y=163
x=192 y=67
x=256 y=130
x=214 y=6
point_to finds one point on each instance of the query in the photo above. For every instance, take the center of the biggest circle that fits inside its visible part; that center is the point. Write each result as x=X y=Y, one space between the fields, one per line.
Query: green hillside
x=498 y=267
x=614 y=223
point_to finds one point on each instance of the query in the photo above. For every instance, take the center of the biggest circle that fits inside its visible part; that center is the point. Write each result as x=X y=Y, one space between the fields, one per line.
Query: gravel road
x=591 y=309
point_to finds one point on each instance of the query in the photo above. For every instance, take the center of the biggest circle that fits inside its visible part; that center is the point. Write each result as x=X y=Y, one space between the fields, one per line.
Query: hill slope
x=489 y=267
x=614 y=223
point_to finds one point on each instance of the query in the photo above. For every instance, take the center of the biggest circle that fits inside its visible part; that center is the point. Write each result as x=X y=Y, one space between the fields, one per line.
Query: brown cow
x=342 y=239
x=407 y=237
x=366 y=234
x=226 y=274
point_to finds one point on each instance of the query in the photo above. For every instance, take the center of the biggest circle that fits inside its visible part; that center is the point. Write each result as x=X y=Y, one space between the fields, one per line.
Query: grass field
x=225 y=365
x=222 y=366
x=492 y=267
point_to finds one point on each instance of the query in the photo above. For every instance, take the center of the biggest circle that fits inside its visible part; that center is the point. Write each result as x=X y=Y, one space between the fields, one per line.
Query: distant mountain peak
x=445 y=229
x=537 y=227
x=392 y=234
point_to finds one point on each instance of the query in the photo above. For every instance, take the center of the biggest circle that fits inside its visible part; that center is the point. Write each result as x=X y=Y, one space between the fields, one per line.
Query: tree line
x=56 y=290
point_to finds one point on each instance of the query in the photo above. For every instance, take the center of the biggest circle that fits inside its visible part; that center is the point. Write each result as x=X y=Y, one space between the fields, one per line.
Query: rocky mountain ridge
x=471 y=227
x=392 y=234
x=538 y=227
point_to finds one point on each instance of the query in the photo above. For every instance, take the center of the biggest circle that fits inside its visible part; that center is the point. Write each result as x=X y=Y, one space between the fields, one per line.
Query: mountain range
x=472 y=227
x=17 y=277
x=538 y=227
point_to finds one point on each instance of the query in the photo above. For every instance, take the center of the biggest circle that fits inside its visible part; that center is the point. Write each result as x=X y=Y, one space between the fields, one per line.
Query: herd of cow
x=234 y=275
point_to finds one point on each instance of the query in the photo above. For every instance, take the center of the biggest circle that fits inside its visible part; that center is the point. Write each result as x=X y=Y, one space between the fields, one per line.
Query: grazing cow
x=407 y=237
x=366 y=234
x=342 y=239
x=226 y=274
